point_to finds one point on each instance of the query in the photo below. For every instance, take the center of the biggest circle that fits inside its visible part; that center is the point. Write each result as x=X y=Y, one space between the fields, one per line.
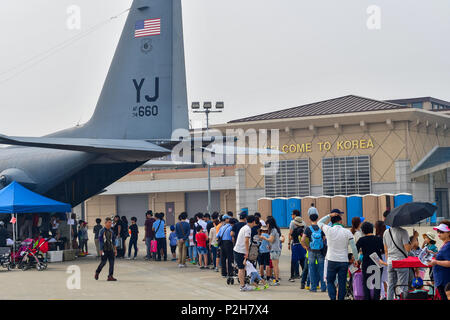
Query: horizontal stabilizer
x=100 y=146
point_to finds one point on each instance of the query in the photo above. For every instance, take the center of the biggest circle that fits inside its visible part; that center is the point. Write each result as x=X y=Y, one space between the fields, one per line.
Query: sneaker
x=246 y=288
x=128 y=258
x=276 y=283
x=307 y=287
x=291 y=280
x=257 y=288
x=302 y=286
x=111 y=278
x=96 y=276
x=266 y=286
x=216 y=269
x=202 y=267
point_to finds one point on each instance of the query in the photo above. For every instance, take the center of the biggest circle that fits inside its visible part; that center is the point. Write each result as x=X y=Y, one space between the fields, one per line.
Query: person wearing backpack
x=316 y=256
x=159 y=229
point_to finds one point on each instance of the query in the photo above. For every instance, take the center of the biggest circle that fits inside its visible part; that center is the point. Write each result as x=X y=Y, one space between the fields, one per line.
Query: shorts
x=264 y=259
x=173 y=249
x=202 y=250
x=255 y=276
x=239 y=259
x=275 y=255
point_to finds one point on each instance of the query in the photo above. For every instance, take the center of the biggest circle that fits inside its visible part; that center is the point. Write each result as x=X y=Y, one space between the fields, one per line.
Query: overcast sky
x=256 y=55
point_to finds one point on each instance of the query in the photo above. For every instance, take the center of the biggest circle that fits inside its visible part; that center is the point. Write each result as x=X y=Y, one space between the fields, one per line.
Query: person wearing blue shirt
x=173 y=243
x=158 y=227
x=441 y=263
x=226 y=247
x=264 y=252
x=182 y=233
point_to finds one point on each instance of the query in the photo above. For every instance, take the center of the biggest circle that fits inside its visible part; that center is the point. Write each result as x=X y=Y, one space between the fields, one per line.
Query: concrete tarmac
x=140 y=279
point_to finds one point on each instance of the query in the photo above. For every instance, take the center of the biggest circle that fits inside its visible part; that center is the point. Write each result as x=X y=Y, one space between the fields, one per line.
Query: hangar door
x=133 y=205
x=198 y=202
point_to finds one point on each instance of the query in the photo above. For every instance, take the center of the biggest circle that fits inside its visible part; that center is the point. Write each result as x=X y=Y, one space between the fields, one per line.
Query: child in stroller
x=34 y=255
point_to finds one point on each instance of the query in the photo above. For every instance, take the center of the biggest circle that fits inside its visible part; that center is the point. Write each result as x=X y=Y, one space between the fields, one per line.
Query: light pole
x=207 y=106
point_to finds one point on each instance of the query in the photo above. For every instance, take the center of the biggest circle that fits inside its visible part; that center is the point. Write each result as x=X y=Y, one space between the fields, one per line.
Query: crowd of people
x=324 y=254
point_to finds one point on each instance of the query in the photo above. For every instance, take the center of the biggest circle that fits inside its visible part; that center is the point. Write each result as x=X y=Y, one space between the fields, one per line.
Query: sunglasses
x=439 y=231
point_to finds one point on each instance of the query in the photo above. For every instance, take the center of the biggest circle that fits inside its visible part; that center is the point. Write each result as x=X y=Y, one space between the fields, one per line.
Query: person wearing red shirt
x=201 y=238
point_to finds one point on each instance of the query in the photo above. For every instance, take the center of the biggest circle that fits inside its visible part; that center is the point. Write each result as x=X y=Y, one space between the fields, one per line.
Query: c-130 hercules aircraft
x=142 y=102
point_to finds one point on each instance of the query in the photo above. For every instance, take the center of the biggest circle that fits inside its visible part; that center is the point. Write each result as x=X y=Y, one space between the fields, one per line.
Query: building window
x=346 y=175
x=418 y=105
x=287 y=178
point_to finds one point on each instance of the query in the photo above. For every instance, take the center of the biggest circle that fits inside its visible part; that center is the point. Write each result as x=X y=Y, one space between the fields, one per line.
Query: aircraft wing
x=101 y=146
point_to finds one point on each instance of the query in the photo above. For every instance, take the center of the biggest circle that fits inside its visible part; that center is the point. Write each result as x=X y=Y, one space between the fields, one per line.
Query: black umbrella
x=410 y=213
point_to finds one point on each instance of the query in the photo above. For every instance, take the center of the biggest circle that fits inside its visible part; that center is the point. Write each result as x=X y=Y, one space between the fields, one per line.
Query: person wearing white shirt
x=241 y=250
x=338 y=240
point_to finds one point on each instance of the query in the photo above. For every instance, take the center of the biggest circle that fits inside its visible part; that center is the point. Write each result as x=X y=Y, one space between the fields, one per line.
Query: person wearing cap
x=338 y=240
x=298 y=252
x=441 y=263
x=226 y=247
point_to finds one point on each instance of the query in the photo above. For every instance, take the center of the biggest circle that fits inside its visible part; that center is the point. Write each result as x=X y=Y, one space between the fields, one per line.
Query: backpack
x=316 y=239
x=253 y=252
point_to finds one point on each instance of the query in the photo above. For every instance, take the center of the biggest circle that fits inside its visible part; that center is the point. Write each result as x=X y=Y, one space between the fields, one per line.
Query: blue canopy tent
x=15 y=198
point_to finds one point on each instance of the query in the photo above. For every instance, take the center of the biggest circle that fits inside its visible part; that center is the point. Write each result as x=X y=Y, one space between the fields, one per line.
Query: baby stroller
x=16 y=256
x=252 y=257
x=34 y=256
x=5 y=260
x=417 y=283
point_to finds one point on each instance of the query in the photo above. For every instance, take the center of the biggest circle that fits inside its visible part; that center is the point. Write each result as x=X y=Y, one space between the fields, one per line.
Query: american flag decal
x=149 y=27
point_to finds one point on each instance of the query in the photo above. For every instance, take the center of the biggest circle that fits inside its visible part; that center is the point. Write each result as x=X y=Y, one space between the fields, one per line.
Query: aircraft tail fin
x=144 y=95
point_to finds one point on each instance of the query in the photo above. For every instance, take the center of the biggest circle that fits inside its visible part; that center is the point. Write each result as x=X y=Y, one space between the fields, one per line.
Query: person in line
x=441 y=263
x=429 y=241
x=261 y=221
x=226 y=247
x=192 y=248
x=396 y=247
x=338 y=241
x=201 y=239
x=213 y=245
x=173 y=243
x=149 y=234
x=242 y=249
x=255 y=278
x=238 y=225
x=108 y=250
x=313 y=210
x=264 y=252
x=199 y=221
x=158 y=228
x=275 y=248
x=298 y=252
x=182 y=232
x=96 y=231
x=134 y=230
x=380 y=228
x=313 y=240
x=356 y=227
x=369 y=244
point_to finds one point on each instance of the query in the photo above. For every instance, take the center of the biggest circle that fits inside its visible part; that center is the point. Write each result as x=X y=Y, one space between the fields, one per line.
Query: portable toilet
x=385 y=202
x=306 y=204
x=279 y=207
x=354 y=207
x=340 y=202
x=265 y=207
x=370 y=207
x=323 y=205
x=402 y=198
x=294 y=203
